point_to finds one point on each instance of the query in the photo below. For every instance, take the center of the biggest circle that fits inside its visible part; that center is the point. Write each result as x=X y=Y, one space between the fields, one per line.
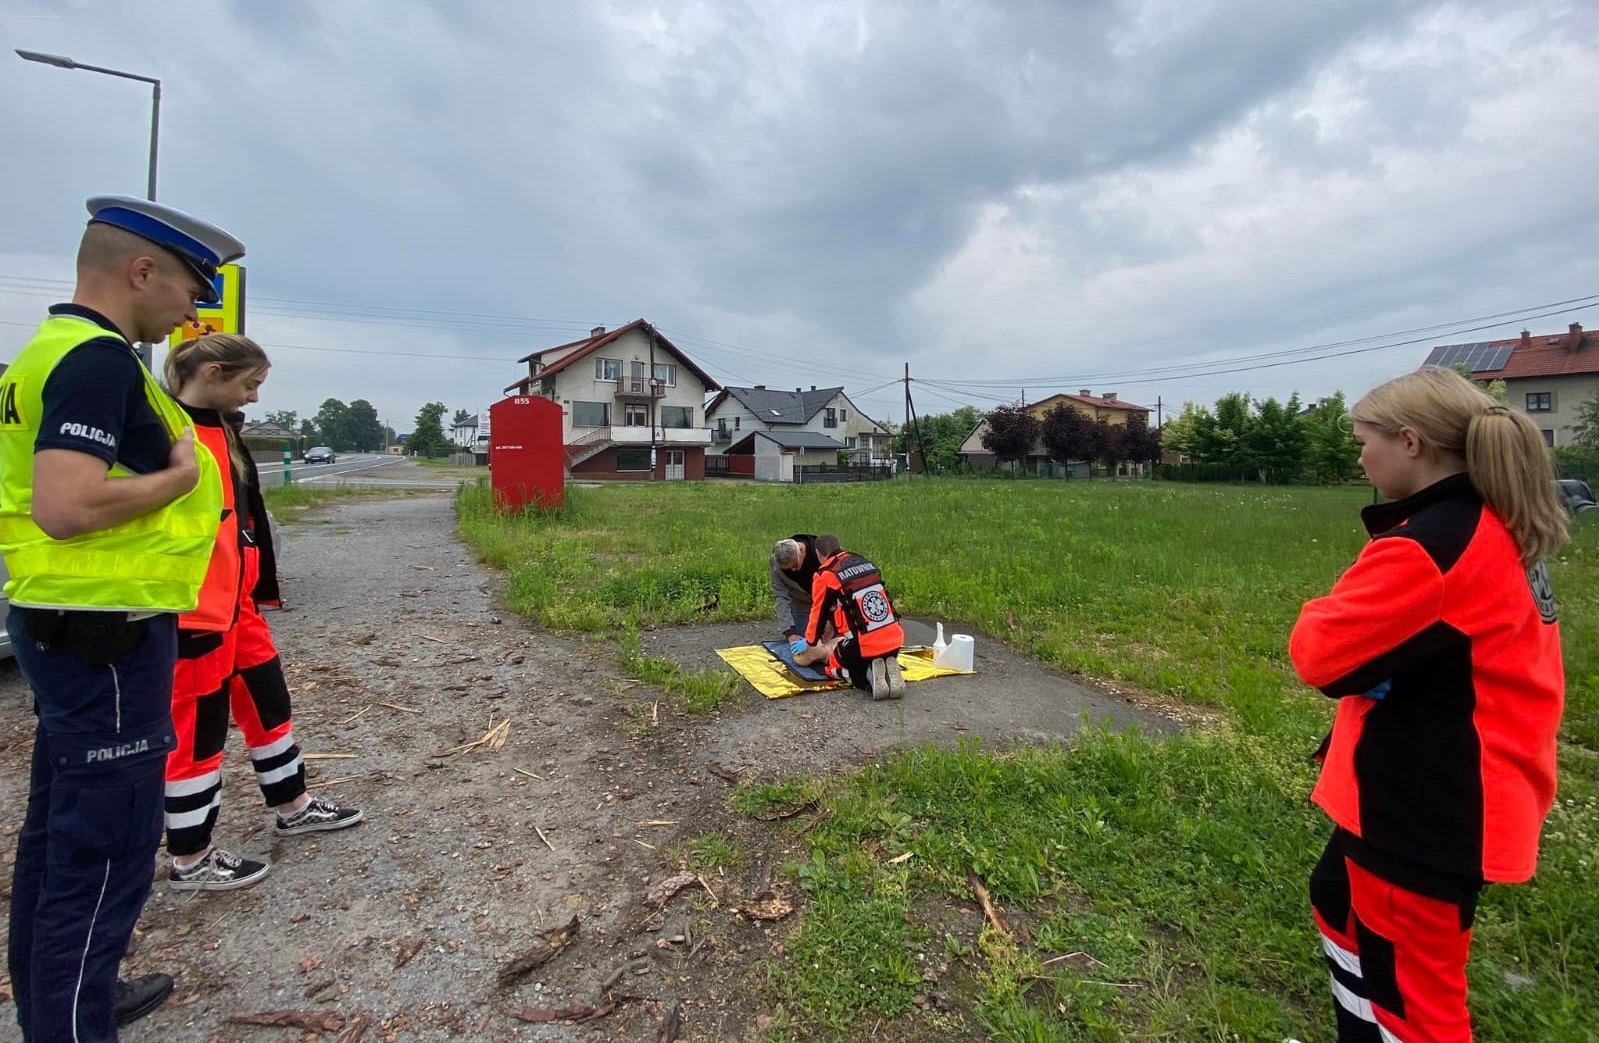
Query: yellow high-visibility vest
x=156 y=562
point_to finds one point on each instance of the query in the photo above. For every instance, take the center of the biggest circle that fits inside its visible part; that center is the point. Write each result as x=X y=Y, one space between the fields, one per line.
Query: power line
x=1178 y=370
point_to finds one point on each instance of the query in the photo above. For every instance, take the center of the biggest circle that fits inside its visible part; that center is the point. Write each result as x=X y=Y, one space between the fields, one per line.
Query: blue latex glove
x=1380 y=690
x=798 y=645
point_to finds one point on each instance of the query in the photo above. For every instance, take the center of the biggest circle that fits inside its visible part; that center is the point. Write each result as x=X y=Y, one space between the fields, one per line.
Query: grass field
x=1176 y=865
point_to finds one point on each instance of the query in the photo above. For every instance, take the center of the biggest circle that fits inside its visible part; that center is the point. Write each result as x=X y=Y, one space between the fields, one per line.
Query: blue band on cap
x=162 y=234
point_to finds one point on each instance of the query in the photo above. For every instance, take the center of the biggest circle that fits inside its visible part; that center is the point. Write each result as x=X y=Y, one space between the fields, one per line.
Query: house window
x=831 y=419
x=607 y=369
x=677 y=416
x=843 y=414
x=1548 y=436
x=591 y=414
x=638 y=414
x=632 y=459
x=1540 y=401
x=737 y=421
x=666 y=374
x=849 y=443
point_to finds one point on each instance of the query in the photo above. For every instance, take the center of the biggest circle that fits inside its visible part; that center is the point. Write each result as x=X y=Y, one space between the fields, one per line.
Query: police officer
x=108 y=513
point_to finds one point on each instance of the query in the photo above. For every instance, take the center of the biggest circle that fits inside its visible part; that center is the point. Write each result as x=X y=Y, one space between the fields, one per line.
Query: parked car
x=1575 y=494
x=321 y=455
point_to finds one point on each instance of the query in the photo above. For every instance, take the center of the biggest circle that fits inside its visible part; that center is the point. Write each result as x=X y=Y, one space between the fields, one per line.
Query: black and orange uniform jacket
x=218 y=608
x=850 y=589
x=244 y=524
x=1453 y=770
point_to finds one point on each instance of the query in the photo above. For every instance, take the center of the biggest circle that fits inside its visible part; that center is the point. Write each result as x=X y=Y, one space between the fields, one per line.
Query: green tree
x=940 y=433
x=284 y=418
x=1276 y=440
x=427 y=438
x=1331 y=452
x=1586 y=431
x=362 y=426
x=332 y=424
x=1223 y=437
x=1012 y=433
x=1181 y=434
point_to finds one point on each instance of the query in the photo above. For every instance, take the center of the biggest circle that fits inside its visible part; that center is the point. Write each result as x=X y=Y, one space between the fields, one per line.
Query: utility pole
x=1159 y=423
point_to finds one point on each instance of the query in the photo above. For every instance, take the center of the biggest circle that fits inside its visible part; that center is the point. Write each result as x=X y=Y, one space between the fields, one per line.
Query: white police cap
x=197 y=244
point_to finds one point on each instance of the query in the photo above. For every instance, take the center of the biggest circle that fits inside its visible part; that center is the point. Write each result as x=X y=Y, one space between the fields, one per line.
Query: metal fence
x=811 y=474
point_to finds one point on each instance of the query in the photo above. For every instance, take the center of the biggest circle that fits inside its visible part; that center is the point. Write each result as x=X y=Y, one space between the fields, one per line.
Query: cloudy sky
x=1013 y=197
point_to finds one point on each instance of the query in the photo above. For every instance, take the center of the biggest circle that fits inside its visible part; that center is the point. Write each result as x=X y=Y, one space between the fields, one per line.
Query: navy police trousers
x=86 y=853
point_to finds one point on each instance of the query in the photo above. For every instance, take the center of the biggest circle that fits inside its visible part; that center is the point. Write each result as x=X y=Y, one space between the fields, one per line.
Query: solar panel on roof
x=1480 y=357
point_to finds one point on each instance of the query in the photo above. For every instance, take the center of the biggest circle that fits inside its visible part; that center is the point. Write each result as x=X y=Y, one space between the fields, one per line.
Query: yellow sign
x=226 y=316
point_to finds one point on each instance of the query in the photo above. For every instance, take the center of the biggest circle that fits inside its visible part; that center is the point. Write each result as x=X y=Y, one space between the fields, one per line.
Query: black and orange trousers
x=233 y=675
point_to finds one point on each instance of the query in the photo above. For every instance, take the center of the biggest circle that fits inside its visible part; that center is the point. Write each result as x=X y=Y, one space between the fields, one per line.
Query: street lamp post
x=62 y=62
x=146 y=351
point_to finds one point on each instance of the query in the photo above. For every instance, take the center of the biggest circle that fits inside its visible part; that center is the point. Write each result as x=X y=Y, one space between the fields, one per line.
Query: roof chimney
x=813 y=387
x=1085 y=392
x=596 y=331
x=759 y=387
x=1109 y=396
x=797 y=391
x=1526 y=339
x=1576 y=336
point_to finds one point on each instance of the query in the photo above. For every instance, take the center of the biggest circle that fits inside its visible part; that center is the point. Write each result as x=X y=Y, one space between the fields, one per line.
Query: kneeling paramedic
x=849 y=590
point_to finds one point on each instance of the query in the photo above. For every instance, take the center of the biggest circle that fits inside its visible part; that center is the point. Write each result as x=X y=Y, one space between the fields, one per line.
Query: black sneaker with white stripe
x=318 y=816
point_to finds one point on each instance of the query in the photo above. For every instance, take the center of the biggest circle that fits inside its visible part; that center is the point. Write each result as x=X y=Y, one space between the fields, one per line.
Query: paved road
x=272 y=474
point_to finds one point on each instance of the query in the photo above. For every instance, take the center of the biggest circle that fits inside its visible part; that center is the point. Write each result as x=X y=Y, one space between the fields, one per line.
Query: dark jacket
x=791 y=591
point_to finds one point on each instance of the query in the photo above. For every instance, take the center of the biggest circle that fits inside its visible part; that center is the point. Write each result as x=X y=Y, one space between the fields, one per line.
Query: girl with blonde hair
x=227 y=661
x=1441 y=644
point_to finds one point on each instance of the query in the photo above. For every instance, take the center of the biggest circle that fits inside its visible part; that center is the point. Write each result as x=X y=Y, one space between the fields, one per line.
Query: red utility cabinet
x=527 y=459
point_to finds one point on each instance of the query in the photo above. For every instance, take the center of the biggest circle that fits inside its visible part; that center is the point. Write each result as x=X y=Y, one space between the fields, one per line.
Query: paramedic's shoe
x=879 y=680
x=894 y=677
x=218 y=871
x=139 y=996
x=318 y=816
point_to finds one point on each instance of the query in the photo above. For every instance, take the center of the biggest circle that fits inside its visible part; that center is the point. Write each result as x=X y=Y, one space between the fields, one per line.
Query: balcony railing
x=721 y=435
x=641 y=387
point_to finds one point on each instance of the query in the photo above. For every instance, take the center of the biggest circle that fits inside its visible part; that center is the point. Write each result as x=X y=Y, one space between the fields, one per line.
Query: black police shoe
x=134 y=999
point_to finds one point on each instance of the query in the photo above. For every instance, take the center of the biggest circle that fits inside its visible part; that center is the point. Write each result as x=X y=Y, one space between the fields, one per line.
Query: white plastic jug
x=957 y=655
x=939 y=644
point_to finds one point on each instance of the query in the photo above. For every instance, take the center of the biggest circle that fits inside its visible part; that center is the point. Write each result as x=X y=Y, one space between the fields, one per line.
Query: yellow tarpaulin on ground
x=775 y=681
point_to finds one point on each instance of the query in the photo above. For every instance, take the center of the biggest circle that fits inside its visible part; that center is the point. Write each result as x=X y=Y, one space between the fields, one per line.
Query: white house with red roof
x=1107 y=407
x=1547 y=375
x=633 y=403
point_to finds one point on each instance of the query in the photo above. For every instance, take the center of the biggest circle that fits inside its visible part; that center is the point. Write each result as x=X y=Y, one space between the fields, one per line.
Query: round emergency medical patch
x=875 y=606
x=1543 y=592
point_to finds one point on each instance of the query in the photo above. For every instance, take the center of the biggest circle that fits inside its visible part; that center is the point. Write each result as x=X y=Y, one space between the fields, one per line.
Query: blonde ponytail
x=1510 y=467
x=1503 y=450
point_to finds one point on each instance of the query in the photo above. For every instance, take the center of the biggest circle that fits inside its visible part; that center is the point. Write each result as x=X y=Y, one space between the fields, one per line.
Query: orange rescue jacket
x=1453 y=768
x=224 y=579
x=851 y=589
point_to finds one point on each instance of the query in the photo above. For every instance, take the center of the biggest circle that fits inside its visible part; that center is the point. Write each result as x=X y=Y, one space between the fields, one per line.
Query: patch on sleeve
x=11 y=403
x=1543 y=592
